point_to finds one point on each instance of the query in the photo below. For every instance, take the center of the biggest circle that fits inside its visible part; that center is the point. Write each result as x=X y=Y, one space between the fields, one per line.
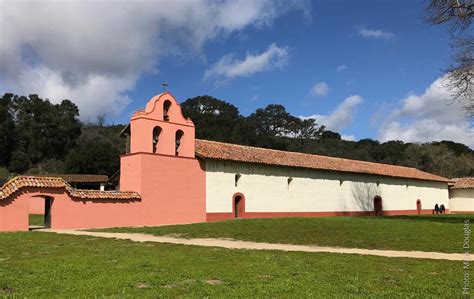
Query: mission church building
x=168 y=177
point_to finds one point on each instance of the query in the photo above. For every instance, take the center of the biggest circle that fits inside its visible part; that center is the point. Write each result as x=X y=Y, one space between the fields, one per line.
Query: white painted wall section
x=461 y=200
x=266 y=189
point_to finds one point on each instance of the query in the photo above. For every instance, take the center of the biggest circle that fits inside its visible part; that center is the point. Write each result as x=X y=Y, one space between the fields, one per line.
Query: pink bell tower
x=160 y=164
x=162 y=129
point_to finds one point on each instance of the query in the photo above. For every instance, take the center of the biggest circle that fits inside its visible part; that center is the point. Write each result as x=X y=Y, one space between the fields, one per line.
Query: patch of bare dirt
x=397 y=270
x=172 y=286
x=8 y=290
x=142 y=285
x=175 y=235
x=214 y=282
x=264 y=277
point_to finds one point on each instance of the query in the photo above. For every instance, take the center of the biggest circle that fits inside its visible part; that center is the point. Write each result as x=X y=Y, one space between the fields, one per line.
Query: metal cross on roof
x=165 y=85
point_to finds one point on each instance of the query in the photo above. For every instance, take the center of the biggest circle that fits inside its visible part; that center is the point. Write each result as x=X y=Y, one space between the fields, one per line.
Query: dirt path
x=234 y=244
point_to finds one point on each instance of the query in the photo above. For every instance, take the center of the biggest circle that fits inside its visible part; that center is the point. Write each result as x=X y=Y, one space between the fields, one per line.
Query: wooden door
x=239 y=206
x=378 y=209
x=418 y=207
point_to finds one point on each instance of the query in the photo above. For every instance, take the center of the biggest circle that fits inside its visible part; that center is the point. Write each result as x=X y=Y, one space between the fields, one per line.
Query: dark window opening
x=418 y=206
x=237 y=178
x=238 y=206
x=166 y=109
x=179 y=135
x=156 y=138
x=378 y=209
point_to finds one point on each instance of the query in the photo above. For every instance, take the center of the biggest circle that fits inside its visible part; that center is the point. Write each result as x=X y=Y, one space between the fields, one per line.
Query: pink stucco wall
x=143 y=122
x=172 y=191
x=72 y=213
x=36 y=205
x=172 y=188
x=67 y=212
x=14 y=213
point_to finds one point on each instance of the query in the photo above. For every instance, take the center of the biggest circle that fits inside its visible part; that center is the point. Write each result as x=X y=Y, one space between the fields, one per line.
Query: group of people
x=439 y=209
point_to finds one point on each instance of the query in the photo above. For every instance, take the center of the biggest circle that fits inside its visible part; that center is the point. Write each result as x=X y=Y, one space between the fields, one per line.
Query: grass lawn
x=36 y=219
x=426 y=233
x=45 y=265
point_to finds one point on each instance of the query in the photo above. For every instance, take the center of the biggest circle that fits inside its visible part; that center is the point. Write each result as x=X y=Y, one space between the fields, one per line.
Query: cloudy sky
x=367 y=69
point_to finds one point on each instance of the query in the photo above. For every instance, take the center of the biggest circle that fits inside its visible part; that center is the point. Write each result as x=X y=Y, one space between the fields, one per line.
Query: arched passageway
x=238 y=205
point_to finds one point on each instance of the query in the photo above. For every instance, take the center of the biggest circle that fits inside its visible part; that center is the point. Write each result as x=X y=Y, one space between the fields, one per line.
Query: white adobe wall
x=266 y=190
x=461 y=200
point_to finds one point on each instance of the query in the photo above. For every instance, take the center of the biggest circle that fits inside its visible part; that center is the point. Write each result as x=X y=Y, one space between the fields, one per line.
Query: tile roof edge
x=441 y=179
x=76 y=178
x=19 y=182
x=462 y=183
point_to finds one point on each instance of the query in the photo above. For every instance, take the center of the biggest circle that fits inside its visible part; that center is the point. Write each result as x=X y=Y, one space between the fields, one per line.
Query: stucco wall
x=172 y=191
x=461 y=200
x=172 y=188
x=67 y=212
x=143 y=122
x=14 y=213
x=266 y=190
x=142 y=137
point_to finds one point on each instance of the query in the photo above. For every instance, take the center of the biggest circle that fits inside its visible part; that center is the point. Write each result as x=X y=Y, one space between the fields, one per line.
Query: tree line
x=37 y=136
x=273 y=127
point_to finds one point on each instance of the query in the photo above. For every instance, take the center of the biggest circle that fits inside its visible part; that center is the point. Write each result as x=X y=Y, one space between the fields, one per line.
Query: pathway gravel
x=236 y=244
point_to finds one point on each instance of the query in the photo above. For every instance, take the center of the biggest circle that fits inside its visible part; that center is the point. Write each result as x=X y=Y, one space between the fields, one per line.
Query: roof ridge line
x=243 y=153
x=313 y=155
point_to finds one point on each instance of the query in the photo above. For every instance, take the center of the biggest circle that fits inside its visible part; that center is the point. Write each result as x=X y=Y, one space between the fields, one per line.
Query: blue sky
x=367 y=69
x=380 y=70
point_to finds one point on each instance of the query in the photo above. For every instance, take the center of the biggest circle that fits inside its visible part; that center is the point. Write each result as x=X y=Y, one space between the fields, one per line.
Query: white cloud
x=341 y=68
x=228 y=67
x=375 y=33
x=320 y=89
x=93 y=52
x=340 y=117
x=430 y=116
x=348 y=137
x=94 y=94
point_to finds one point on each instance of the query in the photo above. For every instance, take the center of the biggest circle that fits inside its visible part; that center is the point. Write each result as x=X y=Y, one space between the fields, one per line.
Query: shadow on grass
x=446 y=218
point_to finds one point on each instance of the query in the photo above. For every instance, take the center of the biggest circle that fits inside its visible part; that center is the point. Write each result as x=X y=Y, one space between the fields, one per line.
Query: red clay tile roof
x=232 y=152
x=463 y=183
x=78 y=178
x=20 y=182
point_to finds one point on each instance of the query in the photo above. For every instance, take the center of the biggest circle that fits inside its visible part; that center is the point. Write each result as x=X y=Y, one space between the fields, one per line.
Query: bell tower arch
x=162 y=129
x=161 y=164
